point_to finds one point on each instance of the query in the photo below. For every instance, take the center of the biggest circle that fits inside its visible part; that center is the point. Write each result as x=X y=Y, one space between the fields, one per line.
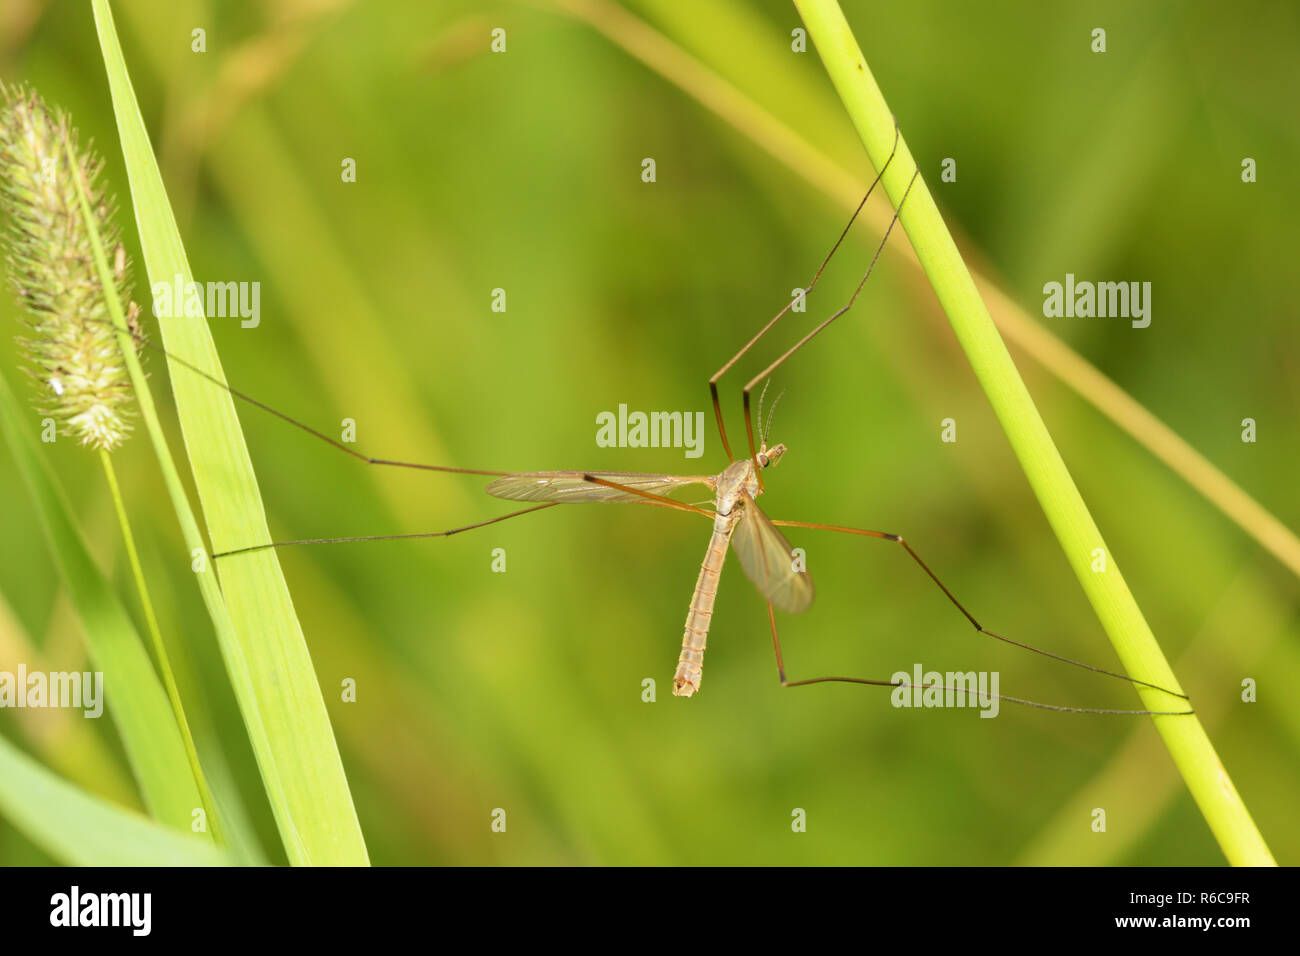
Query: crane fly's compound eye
x=770 y=456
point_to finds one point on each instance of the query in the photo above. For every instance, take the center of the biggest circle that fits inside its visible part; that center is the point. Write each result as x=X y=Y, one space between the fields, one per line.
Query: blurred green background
x=522 y=690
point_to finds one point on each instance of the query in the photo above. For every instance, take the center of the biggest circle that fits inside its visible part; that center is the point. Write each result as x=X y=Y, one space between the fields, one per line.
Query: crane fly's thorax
x=737 y=480
x=740 y=479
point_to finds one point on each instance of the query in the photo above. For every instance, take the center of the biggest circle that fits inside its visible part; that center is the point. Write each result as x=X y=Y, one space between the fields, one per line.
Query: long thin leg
x=713 y=382
x=898 y=539
x=749 y=425
x=386 y=537
x=657 y=500
x=780 y=669
x=145 y=341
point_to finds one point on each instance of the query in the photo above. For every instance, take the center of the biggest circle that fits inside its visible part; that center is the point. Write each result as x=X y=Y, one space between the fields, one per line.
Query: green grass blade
x=1075 y=529
x=712 y=81
x=159 y=647
x=133 y=695
x=264 y=648
x=84 y=830
x=67 y=743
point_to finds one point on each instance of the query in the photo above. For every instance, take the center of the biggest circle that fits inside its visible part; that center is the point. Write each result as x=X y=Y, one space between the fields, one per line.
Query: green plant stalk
x=260 y=637
x=189 y=525
x=248 y=850
x=160 y=649
x=133 y=696
x=730 y=104
x=144 y=398
x=1057 y=494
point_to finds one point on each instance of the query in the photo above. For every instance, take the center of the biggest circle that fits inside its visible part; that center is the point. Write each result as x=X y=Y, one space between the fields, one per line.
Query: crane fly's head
x=768 y=457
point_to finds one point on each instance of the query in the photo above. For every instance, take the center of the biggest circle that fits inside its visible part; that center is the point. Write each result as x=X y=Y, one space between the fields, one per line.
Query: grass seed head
x=70 y=348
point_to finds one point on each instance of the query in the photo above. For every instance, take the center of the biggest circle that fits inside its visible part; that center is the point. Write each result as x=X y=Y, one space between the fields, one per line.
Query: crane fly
x=764 y=554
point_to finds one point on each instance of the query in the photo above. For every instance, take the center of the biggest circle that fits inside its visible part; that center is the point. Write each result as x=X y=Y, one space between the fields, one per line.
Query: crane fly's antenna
x=762 y=395
x=771 y=413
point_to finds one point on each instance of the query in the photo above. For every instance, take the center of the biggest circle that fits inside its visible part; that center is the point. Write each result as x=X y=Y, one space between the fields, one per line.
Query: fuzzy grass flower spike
x=72 y=349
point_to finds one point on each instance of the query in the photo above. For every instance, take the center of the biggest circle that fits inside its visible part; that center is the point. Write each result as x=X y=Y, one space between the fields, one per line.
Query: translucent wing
x=571 y=486
x=765 y=555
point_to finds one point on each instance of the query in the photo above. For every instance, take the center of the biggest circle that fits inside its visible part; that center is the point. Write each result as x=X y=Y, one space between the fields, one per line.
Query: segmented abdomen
x=687 y=679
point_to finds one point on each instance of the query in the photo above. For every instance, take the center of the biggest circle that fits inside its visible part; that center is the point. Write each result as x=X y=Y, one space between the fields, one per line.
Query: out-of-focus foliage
x=521 y=171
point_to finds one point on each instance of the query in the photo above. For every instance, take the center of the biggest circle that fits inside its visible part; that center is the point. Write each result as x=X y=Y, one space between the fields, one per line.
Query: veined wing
x=571 y=486
x=767 y=559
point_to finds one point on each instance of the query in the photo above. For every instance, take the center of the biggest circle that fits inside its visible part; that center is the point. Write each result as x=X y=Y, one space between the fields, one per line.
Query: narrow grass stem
x=1080 y=539
x=841 y=187
x=160 y=650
